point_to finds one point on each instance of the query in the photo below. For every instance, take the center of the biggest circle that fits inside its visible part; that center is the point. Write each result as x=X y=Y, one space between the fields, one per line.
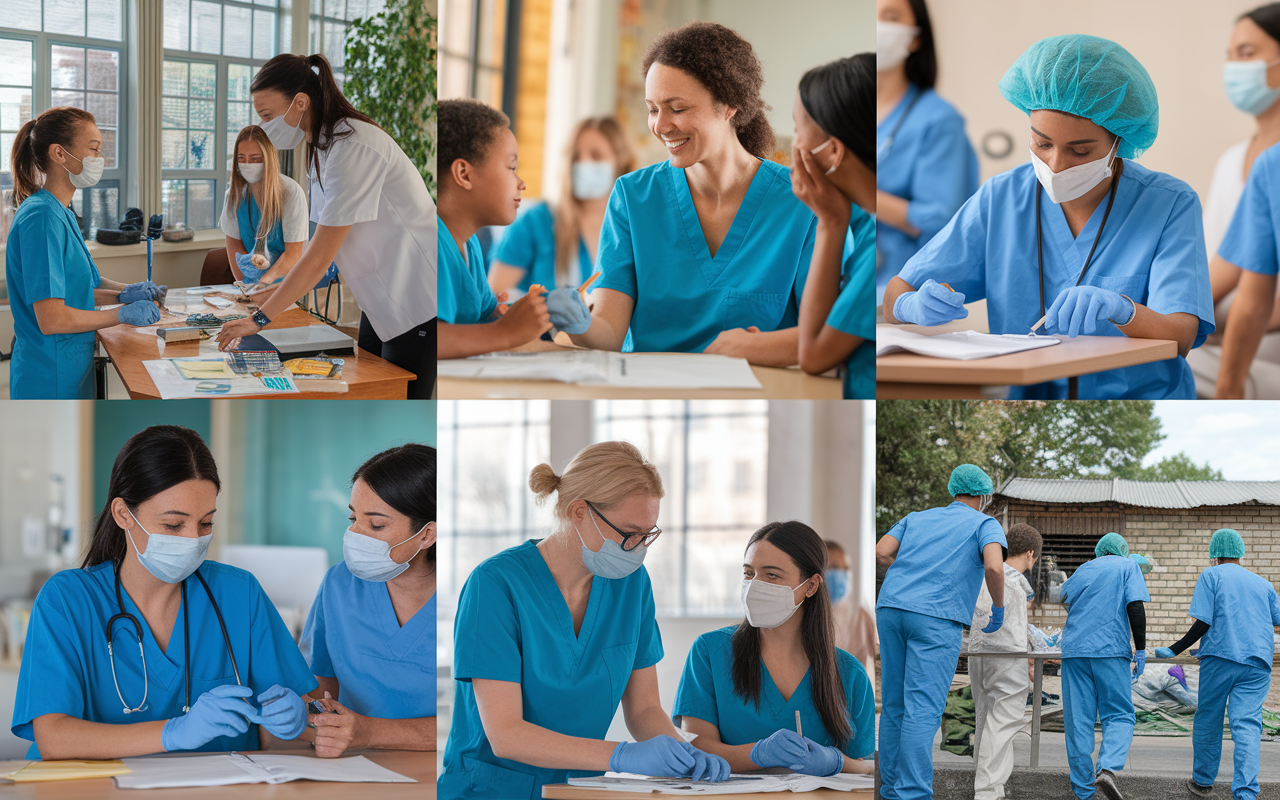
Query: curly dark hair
x=466 y=129
x=726 y=64
x=1023 y=537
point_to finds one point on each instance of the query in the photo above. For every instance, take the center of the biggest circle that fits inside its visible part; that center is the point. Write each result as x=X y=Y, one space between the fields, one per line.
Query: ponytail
x=29 y=158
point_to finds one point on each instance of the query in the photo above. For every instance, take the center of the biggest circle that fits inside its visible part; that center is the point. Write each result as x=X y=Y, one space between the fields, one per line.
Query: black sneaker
x=1198 y=790
x=1106 y=781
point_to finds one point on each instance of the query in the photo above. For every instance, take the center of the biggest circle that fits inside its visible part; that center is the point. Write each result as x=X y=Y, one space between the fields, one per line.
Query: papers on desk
x=958 y=345
x=34 y=771
x=605 y=368
x=736 y=784
x=171 y=383
x=224 y=769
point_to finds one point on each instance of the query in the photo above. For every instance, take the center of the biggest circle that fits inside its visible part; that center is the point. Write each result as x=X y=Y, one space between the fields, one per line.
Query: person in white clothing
x=374 y=217
x=1000 y=685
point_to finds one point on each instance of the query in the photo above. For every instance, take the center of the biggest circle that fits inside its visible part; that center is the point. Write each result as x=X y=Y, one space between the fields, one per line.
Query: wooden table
x=417 y=765
x=901 y=376
x=367 y=376
x=563 y=791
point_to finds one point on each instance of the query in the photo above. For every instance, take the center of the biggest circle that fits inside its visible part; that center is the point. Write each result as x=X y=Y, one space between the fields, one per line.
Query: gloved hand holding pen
x=931 y=304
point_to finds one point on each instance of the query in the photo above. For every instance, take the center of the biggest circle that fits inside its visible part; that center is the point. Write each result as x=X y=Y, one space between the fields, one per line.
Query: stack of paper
x=736 y=784
x=958 y=345
x=224 y=769
x=603 y=368
x=35 y=771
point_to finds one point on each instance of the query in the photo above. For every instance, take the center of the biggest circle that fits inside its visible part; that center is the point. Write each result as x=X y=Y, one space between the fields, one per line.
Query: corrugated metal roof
x=1175 y=494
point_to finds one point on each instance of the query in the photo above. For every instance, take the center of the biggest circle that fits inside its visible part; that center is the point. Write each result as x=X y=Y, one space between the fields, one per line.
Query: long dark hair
x=405 y=478
x=153 y=460
x=922 y=65
x=30 y=155
x=290 y=74
x=809 y=552
x=1266 y=17
x=841 y=99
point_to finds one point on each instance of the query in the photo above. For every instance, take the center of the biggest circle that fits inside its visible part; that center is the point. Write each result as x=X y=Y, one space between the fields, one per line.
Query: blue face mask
x=592 y=179
x=610 y=561
x=171 y=558
x=838 y=581
x=1246 y=85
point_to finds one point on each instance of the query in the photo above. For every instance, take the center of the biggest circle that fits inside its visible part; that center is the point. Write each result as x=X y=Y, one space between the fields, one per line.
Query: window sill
x=202 y=240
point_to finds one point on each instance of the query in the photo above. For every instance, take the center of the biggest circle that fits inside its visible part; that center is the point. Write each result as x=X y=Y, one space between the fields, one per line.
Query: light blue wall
x=116 y=421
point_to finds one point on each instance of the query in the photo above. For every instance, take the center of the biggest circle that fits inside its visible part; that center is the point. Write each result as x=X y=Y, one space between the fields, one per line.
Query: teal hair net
x=1142 y=561
x=1092 y=78
x=969 y=479
x=1226 y=543
x=1113 y=544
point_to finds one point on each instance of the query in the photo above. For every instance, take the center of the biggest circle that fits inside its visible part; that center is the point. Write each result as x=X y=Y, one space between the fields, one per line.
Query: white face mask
x=370 y=559
x=251 y=172
x=592 y=179
x=893 y=44
x=1065 y=186
x=283 y=135
x=90 y=171
x=768 y=605
x=823 y=146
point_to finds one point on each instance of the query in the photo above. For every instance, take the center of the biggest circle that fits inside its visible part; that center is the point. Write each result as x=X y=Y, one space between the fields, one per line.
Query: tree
x=1173 y=468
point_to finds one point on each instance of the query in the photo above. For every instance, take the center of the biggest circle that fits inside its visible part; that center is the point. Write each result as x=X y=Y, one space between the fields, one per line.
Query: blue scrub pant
x=918 y=656
x=1093 y=689
x=1245 y=687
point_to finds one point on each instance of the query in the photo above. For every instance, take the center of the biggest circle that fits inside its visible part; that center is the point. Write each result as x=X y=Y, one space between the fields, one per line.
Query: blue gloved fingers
x=568 y=311
x=230 y=690
x=274 y=693
x=1097 y=310
x=677 y=759
x=997 y=620
x=703 y=769
x=1164 y=652
x=722 y=769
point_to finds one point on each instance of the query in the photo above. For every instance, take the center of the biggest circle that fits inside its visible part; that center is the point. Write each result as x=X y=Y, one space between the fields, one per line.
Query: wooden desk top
x=563 y=791
x=367 y=376
x=417 y=765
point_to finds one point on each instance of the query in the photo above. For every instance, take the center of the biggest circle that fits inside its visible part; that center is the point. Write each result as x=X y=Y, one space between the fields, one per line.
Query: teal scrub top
x=706 y=693
x=530 y=244
x=513 y=625
x=938 y=570
x=66 y=670
x=1096 y=596
x=46 y=257
x=652 y=249
x=248 y=217
x=1241 y=609
x=352 y=634
x=462 y=287
x=854 y=310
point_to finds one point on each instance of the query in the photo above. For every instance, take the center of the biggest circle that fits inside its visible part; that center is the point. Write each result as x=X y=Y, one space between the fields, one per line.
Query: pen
x=582 y=290
x=1039 y=322
x=949 y=289
x=799 y=731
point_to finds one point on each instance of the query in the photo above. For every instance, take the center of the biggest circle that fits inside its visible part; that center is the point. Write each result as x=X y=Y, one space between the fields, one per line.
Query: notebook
x=225 y=769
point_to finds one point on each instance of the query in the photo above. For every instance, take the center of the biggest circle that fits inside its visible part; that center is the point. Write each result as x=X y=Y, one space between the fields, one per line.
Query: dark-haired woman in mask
x=743 y=685
x=833 y=172
x=374 y=217
x=198 y=660
x=371 y=635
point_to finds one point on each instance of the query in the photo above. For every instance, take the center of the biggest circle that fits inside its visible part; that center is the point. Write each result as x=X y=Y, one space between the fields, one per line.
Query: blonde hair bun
x=543 y=480
x=605 y=473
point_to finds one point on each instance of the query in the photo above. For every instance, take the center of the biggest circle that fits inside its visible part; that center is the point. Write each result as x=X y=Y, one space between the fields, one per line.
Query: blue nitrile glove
x=139 y=313
x=283 y=713
x=1164 y=652
x=251 y=273
x=1139 y=663
x=931 y=304
x=788 y=749
x=997 y=619
x=568 y=312
x=664 y=756
x=1079 y=309
x=146 y=290
x=221 y=711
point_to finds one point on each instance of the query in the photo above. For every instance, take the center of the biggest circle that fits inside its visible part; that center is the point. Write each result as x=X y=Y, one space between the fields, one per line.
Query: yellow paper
x=68 y=770
x=201 y=370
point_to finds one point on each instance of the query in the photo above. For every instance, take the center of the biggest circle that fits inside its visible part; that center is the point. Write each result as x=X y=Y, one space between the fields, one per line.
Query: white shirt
x=389 y=258
x=293 y=214
x=1224 y=195
x=1012 y=635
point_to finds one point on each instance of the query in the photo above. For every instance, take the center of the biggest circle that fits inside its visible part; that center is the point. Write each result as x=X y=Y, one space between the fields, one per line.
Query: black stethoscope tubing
x=1111 y=199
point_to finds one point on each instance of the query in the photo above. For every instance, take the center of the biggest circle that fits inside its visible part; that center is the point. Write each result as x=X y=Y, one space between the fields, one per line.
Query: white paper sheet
x=225 y=769
x=957 y=345
x=171 y=385
x=736 y=784
x=602 y=368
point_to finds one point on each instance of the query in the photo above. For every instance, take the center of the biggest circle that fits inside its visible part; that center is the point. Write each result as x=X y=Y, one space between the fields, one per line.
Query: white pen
x=799 y=731
x=1039 y=322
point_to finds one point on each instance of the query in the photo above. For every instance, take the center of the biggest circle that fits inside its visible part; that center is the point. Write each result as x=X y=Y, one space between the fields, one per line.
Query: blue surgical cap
x=1142 y=561
x=1113 y=544
x=969 y=479
x=1226 y=543
x=1092 y=78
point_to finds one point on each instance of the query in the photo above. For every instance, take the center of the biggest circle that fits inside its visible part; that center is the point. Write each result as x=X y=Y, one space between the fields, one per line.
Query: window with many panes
x=330 y=20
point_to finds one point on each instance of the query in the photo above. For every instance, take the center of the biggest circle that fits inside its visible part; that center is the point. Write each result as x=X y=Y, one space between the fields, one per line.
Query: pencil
x=587 y=285
x=949 y=289
x=799 y=731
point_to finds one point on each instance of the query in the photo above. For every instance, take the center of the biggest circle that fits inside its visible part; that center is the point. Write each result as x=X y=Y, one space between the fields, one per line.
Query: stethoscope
x=1111 y=198
x=883 y=150
x=186 y=644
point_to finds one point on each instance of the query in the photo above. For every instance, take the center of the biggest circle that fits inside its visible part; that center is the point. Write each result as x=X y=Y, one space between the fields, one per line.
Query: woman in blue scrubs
x=925 y=166
x=707 y=251
x=1104 y=600
x=370 y=638
x=742 y=685
x=1235 y=613
x=52 y=281
x=832 y=113
x=117 y=650
x=1121 y=248
x=552 y=635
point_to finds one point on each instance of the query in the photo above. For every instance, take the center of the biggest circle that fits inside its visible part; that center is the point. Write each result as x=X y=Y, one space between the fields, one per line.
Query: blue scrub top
x=352 y=634
x=853 y=312
x=65 y=668
x=1241 y=609
x=938 y=570
x=652 y=249
x=706 y=693
x=514 y=625
x=931 y=164
x=1096 y=596
x=462 y=287
x=46 y=257
x=1152 y=250
x=248 y=218
x=530 y=244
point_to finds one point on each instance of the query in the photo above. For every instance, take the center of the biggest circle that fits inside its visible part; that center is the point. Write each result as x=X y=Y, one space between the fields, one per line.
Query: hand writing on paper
x=337 y=733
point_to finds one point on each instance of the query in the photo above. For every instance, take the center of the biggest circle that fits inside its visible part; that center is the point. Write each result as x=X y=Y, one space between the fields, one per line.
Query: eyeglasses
x=645 y=539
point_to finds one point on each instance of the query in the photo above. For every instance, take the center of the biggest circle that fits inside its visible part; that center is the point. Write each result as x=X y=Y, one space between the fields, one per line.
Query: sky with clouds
x=1240 y=438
